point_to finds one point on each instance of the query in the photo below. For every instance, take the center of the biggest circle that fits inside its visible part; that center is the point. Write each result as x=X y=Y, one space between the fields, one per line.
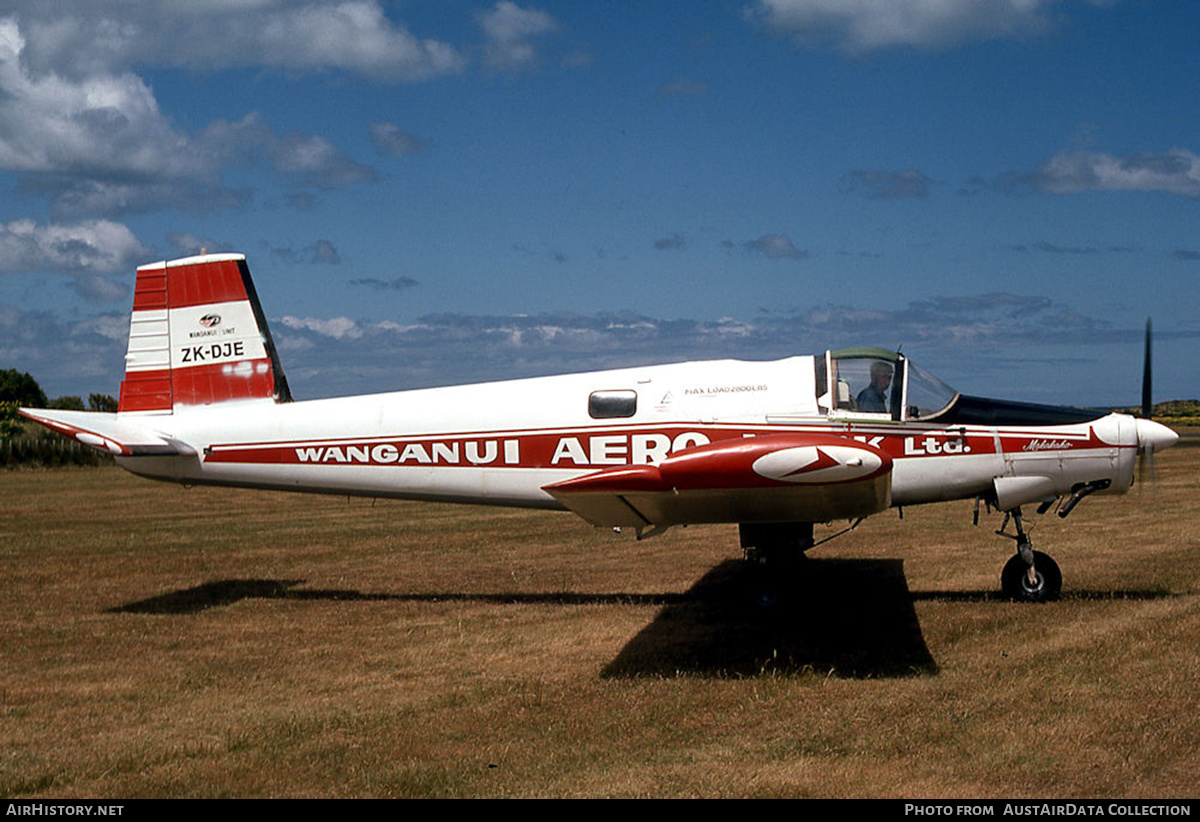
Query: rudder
x=198 y=336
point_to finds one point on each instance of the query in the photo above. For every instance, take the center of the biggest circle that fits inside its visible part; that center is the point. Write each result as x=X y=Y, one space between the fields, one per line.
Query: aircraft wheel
x=1014 y=581
x=774 y=558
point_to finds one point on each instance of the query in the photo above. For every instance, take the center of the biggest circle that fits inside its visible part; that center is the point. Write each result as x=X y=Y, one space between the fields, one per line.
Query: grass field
x=165 y=642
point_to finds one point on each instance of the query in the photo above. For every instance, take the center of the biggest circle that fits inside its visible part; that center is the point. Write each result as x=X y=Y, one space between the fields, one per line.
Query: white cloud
x=101 y=125
x=114 y=327
x=1175 y=172
x=309 y=158
x=187 y=244
x=510 y=30
x=101 y=289
x=347 y=357
x=392 y=141
x=336 y=327
x=320 y=252
x=78 y=123
x=396 y=284
x=99 y=36
x=775 y=247
x=904 y=184
x=862 y=25
x=86 y=248
x=66 y=357
x=79 y=196
x=975 y=342
x=353 y=35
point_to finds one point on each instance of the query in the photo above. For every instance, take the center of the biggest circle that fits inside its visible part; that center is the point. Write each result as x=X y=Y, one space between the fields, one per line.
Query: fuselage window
x=867 y=386
x=607 y=405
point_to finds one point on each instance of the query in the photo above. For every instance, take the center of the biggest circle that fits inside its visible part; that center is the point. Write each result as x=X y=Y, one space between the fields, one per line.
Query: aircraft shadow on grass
x=842 y=617
x=845 y=617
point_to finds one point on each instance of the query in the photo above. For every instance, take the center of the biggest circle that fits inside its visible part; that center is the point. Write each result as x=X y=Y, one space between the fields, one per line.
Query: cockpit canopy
x=875 y=383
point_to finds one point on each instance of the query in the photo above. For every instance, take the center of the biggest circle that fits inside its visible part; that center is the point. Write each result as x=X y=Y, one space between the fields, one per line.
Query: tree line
x=25 y=443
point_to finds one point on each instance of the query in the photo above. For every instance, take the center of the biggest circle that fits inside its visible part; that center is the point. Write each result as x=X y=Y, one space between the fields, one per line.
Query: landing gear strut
x=1029 y=576
x=775 y=543
x=779 y=543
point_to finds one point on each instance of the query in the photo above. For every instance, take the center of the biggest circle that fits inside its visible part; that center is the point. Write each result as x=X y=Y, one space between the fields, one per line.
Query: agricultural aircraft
x=771 y=446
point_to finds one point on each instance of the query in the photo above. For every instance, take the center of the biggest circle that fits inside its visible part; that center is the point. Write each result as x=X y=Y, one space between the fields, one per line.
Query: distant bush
x=10 y=421
x=67 y=403
x=28 y=444
x=1174 y=413
x=102 y=402
x=24 y=443
x=20 y=388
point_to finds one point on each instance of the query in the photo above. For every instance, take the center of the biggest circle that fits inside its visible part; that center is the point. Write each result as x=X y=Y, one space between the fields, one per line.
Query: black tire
x=1014 y=582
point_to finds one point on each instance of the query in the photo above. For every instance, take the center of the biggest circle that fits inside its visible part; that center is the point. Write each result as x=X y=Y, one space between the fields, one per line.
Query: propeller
x=1151 y=436
x=1147 y=375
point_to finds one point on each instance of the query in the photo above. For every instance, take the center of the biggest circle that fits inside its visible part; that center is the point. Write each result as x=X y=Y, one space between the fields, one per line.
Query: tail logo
x=210 y=320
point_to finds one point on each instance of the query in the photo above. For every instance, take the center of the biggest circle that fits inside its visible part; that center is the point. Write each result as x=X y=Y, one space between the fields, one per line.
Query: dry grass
x=158 y=641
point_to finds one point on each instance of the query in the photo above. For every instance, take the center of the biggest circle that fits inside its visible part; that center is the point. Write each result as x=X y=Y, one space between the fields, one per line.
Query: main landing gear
x=775 y=544
x=781 y=544
x=1029 y=576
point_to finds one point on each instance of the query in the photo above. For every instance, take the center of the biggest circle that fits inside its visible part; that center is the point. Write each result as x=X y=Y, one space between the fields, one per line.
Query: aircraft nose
x=1154 y=436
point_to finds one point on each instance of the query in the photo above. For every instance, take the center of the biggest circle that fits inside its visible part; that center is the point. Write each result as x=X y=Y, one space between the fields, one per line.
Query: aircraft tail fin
x=198 y=336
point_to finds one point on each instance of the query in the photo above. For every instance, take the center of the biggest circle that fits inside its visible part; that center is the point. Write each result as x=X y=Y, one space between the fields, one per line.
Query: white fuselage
x=503 y=442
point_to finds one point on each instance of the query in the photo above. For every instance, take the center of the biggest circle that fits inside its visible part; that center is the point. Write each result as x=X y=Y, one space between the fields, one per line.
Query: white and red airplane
x=772 y=446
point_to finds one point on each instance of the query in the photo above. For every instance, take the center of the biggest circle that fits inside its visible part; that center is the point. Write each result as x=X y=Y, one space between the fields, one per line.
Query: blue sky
x=444 y=192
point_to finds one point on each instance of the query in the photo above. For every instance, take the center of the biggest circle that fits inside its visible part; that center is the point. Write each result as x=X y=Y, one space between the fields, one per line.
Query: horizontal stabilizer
x=107 y=432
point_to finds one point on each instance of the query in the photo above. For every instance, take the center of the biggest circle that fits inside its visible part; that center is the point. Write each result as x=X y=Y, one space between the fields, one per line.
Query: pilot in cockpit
x=874 y=398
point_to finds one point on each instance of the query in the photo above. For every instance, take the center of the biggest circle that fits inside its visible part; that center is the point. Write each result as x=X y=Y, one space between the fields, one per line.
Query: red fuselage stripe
x=606 y=447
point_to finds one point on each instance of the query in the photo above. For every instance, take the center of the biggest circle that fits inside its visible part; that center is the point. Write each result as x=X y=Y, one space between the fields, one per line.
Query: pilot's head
x=881 y=374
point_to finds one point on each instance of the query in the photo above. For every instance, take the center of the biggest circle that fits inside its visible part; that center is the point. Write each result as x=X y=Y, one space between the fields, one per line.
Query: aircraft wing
x=774 y=478
x=111 y=433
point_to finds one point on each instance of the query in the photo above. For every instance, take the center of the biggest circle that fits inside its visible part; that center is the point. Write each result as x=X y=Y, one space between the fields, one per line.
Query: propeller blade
x=1146 y=376
x=1151 y=437
x=1145 y=465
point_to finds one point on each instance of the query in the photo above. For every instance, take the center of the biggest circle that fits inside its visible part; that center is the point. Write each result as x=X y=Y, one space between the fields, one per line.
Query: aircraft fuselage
x=502 y=443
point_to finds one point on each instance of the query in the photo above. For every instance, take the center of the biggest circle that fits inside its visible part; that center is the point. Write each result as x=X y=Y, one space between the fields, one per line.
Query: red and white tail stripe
x=198 y=337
